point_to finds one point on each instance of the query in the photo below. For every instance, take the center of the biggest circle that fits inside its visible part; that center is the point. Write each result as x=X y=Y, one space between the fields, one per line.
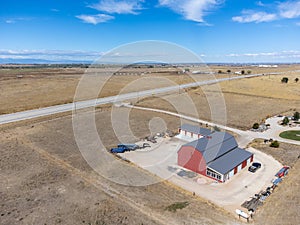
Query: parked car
x=255 y=166
x=276 y=181
x=118 y=150
x=283 y=171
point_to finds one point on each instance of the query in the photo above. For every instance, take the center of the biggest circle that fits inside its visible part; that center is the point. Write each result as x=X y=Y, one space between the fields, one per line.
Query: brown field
x=286 y=154
x=44 y=87
x=45 y=180
x=247 y=101
x=255 y=69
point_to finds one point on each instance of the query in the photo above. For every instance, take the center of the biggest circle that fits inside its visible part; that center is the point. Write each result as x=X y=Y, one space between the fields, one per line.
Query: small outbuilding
x=215 y=155
x=188 y=131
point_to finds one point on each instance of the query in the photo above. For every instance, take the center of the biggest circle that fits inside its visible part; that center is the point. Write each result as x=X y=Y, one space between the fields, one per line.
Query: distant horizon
x=52 y=63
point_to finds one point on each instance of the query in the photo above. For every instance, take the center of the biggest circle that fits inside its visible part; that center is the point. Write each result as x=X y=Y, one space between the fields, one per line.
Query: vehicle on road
x=255 y=166
x=283 y=171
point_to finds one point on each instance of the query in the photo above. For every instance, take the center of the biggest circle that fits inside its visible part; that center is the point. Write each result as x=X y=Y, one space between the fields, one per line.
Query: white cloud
x=271 y=55
x=260 y=3
x=49 y=55
x=289 y=9
x=10 y=21
x=249 y=16
x=118 y=6
x=95 y=19
x=281 y=10
x=193 y=10
x=17 y=19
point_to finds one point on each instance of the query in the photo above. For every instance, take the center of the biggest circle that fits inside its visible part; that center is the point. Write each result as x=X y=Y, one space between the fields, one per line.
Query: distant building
x=212 y=154
x=268 y=66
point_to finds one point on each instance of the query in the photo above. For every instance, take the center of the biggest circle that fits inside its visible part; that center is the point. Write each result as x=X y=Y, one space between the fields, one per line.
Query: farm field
x=44 y=179
x=246 y=101
x=52 y=86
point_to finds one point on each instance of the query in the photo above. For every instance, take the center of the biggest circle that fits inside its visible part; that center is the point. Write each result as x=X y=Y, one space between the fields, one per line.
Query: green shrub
x=285 y=121
x=285 y=80
x=255 y=126
x=296 y=116
x=177 y=205
x=216 y=128
x=274 y=144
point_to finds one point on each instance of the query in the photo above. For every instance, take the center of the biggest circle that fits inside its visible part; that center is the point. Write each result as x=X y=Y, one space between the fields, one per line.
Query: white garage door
x=231 y=173
x=248 y=161
x=239 y=168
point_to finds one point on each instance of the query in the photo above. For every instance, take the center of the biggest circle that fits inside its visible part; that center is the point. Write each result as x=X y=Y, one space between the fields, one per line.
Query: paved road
x=30 y=114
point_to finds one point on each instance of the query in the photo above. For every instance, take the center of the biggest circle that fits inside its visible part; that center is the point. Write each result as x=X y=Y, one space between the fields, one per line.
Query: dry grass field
x=44 y=87
x=267 y=87
x=246 y=101
x=255 y=69
x=45 y=180
x=286 y=154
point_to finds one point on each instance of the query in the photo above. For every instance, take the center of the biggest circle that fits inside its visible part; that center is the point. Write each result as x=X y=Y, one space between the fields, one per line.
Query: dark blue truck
x=124 y=147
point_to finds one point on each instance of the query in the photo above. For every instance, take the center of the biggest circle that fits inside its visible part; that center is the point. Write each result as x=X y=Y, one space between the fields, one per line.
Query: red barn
x=215 y=155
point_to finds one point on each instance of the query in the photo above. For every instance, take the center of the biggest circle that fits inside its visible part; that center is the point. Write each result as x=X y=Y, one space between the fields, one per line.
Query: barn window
x=213 y=174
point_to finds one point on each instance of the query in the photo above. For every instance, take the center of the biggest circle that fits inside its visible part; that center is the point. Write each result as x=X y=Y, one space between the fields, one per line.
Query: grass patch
x=177 y=205
x=292 y=135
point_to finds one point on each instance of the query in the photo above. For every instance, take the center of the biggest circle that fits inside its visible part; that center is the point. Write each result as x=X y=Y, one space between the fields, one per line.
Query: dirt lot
x=45 y=180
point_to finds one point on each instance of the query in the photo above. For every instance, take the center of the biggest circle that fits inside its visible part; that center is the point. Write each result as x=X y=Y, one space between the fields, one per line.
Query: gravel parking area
x=161 y=159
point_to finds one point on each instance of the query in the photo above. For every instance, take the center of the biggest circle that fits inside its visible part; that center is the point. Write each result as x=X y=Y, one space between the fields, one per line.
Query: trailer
x=129 y=147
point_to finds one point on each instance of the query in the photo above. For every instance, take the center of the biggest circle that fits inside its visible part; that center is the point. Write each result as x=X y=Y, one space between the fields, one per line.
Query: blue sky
x=217 y=30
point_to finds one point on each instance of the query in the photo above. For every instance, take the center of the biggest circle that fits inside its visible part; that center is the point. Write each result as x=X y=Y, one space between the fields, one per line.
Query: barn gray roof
x=214 y=146
x=195 y=129
x=229 y=161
